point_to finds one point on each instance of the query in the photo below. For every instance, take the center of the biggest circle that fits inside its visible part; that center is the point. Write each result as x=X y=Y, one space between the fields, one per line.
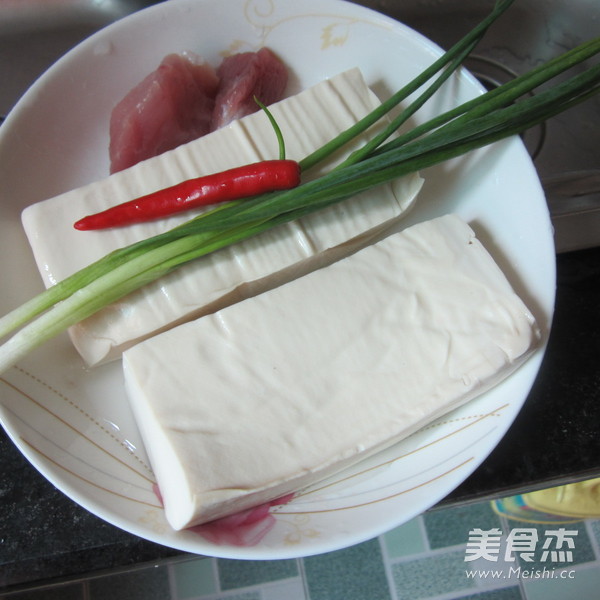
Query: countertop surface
x=44 y=535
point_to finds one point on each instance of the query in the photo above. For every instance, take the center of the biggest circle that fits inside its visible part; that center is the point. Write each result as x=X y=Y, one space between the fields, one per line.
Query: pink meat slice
x=171 y=106
x=244 y=76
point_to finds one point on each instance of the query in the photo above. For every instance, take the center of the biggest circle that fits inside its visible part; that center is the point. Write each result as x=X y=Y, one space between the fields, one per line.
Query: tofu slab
x=236 y=408
x=307 y=120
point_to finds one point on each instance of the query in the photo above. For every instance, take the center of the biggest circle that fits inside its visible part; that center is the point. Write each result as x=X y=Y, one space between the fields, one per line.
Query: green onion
x=490 y=117
x=276 y=129
x=459 y=50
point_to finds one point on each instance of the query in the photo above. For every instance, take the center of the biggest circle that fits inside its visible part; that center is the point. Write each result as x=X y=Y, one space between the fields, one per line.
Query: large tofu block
x=307 y=120
x=238 y=407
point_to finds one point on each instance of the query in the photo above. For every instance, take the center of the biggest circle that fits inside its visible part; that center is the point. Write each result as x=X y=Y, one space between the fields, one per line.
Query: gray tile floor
x=421 y=560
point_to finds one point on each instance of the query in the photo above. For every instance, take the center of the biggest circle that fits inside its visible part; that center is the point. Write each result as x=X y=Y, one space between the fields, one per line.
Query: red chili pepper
x=233 y=184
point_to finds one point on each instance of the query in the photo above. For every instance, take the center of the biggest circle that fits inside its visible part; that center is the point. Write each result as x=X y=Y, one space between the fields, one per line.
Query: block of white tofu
x=307 y=120
x=236 y=408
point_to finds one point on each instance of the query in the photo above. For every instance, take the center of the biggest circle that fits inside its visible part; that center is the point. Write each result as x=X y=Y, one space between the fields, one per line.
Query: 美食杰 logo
x=539 y=555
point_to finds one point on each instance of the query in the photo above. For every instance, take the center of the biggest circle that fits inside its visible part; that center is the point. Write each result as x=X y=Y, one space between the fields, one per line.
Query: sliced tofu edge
x=101 y=337
x=97 y=349
x=186 y=506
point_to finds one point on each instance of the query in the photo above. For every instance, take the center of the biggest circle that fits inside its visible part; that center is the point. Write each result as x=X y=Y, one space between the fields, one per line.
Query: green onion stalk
x=505 y=111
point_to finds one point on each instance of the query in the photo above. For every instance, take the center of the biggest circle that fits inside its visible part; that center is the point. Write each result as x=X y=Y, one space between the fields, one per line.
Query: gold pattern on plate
x=262 y=15
x=87 y=416
x=81 y=478
x=145 y=474
x=335 y=34
x=152 y=518
x=301 y=529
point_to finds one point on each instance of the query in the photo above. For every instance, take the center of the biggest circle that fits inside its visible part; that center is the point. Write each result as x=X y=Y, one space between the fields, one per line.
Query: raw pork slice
x=171 y=106
x=244 y=76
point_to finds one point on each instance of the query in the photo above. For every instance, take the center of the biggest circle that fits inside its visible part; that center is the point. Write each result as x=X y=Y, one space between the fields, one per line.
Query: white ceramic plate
x=74 y=425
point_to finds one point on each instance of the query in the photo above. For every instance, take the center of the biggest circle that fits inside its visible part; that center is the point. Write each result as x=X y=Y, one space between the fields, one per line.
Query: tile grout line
x=172 y=580
x=589 y=566
x=423 y=530
x=264 y=585
x=85 y=590
x=424 y=554
x=222 y=594
x=429 y=553
x=215 y=571
x=506 y=528
x=387 y=567
x=594 y=538
x=302 y=573
x=506 y=522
